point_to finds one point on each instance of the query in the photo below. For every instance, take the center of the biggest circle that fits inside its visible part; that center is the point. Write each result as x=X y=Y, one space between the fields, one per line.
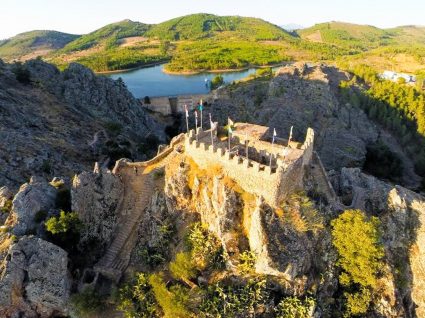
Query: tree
x=217 y=81
x=66 y=222
x=356 y=239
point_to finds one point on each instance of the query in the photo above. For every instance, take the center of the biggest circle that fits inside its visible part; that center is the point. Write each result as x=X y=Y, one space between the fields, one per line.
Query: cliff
x=56 y=123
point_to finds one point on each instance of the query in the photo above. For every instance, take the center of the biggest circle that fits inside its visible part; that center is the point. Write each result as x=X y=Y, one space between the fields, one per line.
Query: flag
x=274 y=132
x=211 y=122
x=230 y=130
x=201 y=107
x=196 y=114
x=290 y=133
x=186 y=111
x=230 y=122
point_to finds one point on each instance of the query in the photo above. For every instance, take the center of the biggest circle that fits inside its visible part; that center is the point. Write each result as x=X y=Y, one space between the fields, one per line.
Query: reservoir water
x=152 y=81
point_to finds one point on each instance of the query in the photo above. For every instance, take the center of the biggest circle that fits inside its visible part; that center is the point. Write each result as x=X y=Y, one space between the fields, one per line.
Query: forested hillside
x=33 y=42
x=205 y=42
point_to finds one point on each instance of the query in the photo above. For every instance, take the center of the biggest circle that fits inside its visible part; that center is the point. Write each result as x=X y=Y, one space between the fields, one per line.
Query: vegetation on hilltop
x=201 y=26
x=107 y=36
x=220 y=55
x=28 y=42
x=398 y=107
x=209 y=42
x=355 y=36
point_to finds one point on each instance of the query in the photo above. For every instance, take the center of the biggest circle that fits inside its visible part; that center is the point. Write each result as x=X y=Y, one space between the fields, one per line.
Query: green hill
x=202 y=25
x=33 y=42
x=107 y=36
x=354 y=36
x=409 y=34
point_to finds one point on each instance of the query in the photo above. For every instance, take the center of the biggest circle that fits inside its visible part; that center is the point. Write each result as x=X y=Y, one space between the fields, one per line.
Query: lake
x=152 y=81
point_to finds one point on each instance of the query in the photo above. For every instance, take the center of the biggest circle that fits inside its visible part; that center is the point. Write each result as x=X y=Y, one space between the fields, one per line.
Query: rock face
x=34 y=280
x=5 y=195
x=37 y=195
x=402 y=215
x=62 y=122
x=95 y=197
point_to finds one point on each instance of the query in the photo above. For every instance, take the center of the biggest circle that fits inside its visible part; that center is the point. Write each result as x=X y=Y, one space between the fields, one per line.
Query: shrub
x=146 y=100
x=207 y=251
x=173 y=302
x=247 y=262
x=86 y=303
x=7 y=207
x=182 y=267
x=21 y=72
x=293 y=307
x=63 y=199
x=356 y=239
x=266 y=72
x=234 y=300
x=136 y=298
x=66 y=222
x=217 y=81
x=382 y=162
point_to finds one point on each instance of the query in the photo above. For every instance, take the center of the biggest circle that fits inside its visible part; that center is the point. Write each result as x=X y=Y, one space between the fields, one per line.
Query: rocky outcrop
x=5 y=195
x=402 y=216
x=95 y=197
x=62 y=122
x=304 y=96
x=35 y=196
x=34 y=280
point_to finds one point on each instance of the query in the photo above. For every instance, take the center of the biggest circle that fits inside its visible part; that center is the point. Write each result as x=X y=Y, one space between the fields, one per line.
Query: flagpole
x=201 y=106
x=187 y=118
x=271 y=153
x=211 y=128
x=246 y=142
x=196 y=124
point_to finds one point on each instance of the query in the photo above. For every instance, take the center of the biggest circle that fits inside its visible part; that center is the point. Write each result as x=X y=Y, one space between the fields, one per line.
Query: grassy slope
x=107 y=35
x=201 y=26
x=354 y=36
x=28 y=42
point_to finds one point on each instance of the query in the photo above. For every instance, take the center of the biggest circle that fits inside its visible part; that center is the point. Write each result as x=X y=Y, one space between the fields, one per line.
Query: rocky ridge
x=57 y=123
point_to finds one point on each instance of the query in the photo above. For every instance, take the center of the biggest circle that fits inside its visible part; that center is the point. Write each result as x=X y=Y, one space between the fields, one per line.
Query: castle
x=272 y=171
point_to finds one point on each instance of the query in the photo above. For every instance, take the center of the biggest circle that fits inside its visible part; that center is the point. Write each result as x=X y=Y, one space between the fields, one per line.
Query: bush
x=356 y=239
x=136 y=298
x=266 y=72
x=247 y=262
x=217 y=81
x=382 y=162
x=182 y=267
x=7 y=207
x=22 y=74
x=234 y=300
x=63 y=199
x=293 y=307
x=174 y=302
x=86 y=303
x=113 y=128
x=66 y=222
x=206 y=249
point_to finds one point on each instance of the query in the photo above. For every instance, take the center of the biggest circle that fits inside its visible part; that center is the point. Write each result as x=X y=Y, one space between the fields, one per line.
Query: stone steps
x=117 y=257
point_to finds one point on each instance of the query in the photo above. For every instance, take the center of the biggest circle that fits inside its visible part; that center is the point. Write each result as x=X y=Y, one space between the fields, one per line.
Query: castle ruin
x=272 y=171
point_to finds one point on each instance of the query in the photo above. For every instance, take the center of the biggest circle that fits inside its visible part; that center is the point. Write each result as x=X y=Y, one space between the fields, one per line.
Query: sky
x=83 y=16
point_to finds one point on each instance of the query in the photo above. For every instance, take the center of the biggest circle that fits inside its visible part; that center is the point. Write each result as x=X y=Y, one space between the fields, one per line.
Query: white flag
x=290 y=133
x=230 y=122
x=274 y=132
x=196 y=114
x=186 y=111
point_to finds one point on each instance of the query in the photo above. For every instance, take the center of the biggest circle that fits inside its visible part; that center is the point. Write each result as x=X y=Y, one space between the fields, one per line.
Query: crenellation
x=271 y=180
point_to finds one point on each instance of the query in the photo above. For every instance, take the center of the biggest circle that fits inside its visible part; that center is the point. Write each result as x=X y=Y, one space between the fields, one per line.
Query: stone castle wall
x=273 y=184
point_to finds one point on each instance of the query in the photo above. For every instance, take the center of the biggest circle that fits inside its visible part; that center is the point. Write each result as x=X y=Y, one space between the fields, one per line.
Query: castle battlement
x=270 y=171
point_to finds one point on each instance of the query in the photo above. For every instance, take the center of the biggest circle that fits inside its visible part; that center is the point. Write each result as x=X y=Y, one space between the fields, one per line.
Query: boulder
x=37 y=195
x=34 y=280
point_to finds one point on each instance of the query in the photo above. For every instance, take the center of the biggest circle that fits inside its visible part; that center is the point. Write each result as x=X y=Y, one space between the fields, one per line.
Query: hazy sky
x=83 y=16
